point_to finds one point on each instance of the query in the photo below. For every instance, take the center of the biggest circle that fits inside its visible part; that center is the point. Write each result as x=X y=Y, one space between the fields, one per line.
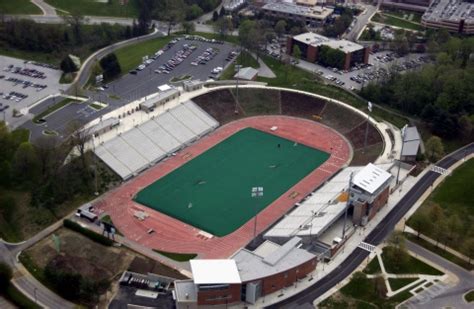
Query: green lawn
x=19 y=7
x=398 y=283
x=360 y=293
x=373 y=267
x=407 y=15
x=96 y=8
x=213 y=191
x=396 y=21
x=131 y=56
x=412 y=266
x=244 y=59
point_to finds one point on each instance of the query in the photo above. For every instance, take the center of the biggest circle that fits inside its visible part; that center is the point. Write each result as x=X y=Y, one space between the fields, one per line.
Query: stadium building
x=453 y=15
x=310 y=45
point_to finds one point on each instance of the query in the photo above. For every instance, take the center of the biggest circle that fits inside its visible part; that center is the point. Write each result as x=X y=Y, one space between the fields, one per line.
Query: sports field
x=213 y=191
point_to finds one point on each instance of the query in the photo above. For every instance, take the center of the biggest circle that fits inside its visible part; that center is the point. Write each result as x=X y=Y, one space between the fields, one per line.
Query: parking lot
x=380 y=66
x=22 y=84
x=180 y=59
x=185 y=58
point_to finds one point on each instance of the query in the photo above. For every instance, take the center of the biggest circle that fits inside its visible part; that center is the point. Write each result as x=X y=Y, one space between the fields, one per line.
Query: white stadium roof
x=215 y=272
x=370 y=178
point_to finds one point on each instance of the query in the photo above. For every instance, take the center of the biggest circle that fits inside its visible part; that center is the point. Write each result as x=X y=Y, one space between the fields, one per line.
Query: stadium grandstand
x=133 y=151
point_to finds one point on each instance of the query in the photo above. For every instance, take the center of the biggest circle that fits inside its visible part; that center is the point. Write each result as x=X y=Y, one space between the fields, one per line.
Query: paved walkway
x=441 y=295
x=47 y=9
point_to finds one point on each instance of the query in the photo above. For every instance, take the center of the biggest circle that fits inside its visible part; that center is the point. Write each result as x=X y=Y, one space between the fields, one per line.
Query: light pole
x=256 y=193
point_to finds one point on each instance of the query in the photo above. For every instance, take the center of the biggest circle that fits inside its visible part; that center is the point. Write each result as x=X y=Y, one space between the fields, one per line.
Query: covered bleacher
x=144 y=145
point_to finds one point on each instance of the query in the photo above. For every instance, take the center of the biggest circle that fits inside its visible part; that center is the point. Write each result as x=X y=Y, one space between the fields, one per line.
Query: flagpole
x=369 y=106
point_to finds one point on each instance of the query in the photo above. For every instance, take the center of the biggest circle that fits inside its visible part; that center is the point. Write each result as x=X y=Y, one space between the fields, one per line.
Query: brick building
x=369 y=192
x=310 y=44
x=245 y=276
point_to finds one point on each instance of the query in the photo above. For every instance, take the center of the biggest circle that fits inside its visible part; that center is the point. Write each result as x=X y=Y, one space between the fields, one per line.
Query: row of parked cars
x=206 y=56
x=4 y=107
x=24 y=71
x=24 y=83
x=201 y=39
x=177 y=59
x=14 y=96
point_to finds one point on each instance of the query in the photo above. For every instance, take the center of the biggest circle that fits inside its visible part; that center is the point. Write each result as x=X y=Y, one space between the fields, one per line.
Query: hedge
x=88 y=233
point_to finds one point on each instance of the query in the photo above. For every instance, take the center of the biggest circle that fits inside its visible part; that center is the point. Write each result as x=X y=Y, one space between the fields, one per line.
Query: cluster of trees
x=340 y=24
x=445 y=228
x=110 y=66
x=331 y=57
x=441 y=93
x=40 y=169
x=62 y=39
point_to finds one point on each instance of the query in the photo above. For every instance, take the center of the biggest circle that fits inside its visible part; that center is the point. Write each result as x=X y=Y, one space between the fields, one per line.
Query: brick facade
x=221 y=296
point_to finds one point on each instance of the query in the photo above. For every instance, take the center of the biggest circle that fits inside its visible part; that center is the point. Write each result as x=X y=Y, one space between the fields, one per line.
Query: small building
x=246 y=73
x=369 y=192
x=411 y=5
x=453 y=15
x=310 y=44
x=165 y=94
x=246 y=276
x=233 y=5
x=411 y=144
x=192 y=85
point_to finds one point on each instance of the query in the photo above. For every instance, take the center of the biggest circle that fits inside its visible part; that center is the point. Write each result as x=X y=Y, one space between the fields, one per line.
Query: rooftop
x=316 y=12
x=215 y=272
x=246 y=73
x=185 y=290
x=253 y=266
x=371 y=178
x=450 y=10
x=315 y=39
x=109 y=122
x=318 y=211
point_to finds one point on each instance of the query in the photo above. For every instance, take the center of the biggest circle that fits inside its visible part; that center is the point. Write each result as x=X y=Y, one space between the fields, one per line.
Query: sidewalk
x=263 y=70
x=437 y=243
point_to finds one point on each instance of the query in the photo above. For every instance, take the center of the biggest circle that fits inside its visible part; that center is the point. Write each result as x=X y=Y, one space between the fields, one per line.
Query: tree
x=280 y=28
x=67 y=65
x=223 y=26
x=468 y=248
x=25 y=163
x=380 y=287
x=5 y=276
x=215 y=16
x=465 y=126
x=222 y=12
x=110 y=66
x=173 y=12
x=193 y=11
x=296 y=52
x=78 y=139
x=455 y=227
x=75 y=20
x=434 y=148
x=188 y=27
x=421 y=223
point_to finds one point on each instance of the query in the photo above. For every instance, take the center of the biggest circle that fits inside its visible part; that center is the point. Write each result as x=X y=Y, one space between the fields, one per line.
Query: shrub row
x=88 y=233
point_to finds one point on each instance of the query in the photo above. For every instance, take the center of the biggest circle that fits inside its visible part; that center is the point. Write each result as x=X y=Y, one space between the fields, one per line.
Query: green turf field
x=213 y=191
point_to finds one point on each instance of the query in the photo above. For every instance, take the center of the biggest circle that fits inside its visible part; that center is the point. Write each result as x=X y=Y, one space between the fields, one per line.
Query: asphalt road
x=362 y=20
x=375 y=237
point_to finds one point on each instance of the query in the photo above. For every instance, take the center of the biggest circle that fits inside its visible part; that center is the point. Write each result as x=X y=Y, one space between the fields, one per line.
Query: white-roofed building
x=411 y=144
x=246 y=73
x=247 y=275
x=369 y=192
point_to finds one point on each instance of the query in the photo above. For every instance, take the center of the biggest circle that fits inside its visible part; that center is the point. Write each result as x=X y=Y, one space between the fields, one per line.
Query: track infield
x=212 y=192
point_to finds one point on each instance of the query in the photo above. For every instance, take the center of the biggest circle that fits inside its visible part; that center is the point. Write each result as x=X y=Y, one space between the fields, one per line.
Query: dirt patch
x=219 y=104
x=357 y=135
x=370 y=155
x=340 y=118
x=74 y=264
x=300 y=105
x=142 y=265
x=258 y=101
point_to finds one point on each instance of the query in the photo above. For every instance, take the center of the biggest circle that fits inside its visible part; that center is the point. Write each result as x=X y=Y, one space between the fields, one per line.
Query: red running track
x=173 y=235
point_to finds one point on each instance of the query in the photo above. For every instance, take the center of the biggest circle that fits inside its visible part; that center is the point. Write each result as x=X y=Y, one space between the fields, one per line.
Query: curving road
x=375 y=237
